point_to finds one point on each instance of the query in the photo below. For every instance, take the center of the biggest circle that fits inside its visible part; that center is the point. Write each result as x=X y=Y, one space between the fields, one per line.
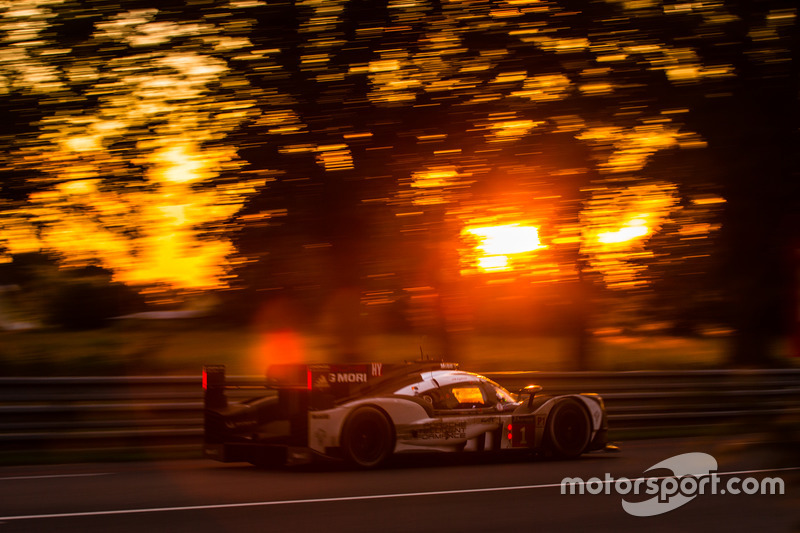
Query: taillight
x=205 y=380
x=308 y=379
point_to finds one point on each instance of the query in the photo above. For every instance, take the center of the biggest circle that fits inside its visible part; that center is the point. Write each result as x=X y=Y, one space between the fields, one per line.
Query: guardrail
x=152 y=414
x=656 y=400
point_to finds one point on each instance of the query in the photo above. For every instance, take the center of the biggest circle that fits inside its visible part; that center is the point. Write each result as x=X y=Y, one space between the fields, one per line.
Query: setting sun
x=498 y=246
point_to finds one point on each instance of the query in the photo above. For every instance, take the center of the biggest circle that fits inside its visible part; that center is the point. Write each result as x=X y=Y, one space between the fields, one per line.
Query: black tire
x=568 y=429
x=367 y=438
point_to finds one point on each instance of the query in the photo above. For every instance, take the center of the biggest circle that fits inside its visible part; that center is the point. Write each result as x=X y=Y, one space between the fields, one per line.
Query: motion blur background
x=517 y=184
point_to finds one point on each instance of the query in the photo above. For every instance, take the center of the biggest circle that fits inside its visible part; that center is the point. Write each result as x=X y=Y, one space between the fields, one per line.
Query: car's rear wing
x=327 y=384
x=214 y=387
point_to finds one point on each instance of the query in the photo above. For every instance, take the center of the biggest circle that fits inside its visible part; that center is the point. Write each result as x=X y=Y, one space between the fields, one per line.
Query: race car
x=366 y=413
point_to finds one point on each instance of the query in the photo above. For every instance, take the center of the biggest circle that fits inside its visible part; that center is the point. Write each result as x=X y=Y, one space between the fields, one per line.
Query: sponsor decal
x=377 y=369
x=321 y=383
x=347 y=377
x=441 y=431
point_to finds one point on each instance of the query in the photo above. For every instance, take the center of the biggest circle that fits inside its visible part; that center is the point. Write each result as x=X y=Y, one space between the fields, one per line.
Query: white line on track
x=51 y=476
x=335 y=499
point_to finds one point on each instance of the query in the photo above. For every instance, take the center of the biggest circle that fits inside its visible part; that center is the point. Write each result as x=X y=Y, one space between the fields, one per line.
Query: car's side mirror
x=527 y=394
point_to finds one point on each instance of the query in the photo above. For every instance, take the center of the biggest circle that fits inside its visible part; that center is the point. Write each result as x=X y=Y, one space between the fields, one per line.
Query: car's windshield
x=500 y=393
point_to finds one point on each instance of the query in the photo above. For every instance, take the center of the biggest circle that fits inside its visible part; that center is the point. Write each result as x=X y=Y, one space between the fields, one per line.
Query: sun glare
x=633 y=230
x=508 y=239
x=616 y=225
x=493 y=263
x=498 y=247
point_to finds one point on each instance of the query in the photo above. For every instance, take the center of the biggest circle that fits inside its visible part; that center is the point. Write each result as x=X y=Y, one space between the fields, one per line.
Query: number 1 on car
x=520 y=433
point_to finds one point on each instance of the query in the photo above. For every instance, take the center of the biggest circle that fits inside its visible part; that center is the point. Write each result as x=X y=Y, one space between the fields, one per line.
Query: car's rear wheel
x=568 y=429
x=367 y=438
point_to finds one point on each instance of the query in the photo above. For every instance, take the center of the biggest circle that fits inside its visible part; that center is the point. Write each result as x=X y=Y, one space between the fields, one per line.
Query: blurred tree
x=372 y=137
x=80 y=303
x=125 y=158
x=752 y=130
x=79 y=298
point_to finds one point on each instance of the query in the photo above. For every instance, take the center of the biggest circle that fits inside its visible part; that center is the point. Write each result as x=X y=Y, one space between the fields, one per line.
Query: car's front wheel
x=367 y=438
x=568 y=429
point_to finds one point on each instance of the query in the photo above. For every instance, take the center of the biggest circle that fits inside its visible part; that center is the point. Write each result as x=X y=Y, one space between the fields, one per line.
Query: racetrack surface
x=441 y=493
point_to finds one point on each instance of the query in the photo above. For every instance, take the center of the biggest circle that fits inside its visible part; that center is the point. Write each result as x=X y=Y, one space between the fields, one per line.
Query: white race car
x=365 y=413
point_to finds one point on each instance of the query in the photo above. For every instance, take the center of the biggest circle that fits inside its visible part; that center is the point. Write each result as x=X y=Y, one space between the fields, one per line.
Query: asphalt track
x=436 y=494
